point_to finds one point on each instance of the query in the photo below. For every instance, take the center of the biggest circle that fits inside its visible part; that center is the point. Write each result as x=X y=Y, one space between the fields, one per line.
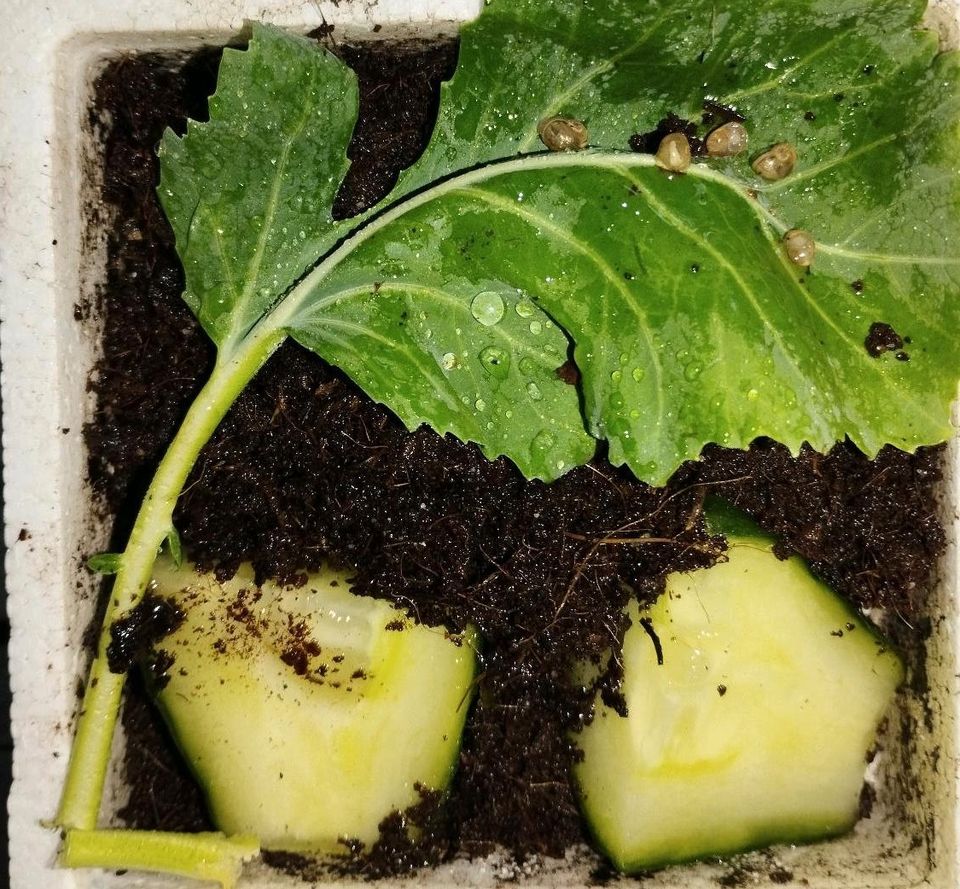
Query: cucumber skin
x=445 y=768
x=741 y=532
x=632 y=868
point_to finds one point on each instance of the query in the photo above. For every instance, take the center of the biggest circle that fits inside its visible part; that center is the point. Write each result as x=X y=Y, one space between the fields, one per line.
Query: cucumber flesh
x=755 y=728
x=309 y=714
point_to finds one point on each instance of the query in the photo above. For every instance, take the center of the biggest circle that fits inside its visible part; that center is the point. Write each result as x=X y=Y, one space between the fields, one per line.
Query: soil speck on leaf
x=882 y=338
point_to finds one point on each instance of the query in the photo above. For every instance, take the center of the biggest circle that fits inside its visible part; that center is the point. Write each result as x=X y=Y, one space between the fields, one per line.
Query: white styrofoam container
x=49 y=258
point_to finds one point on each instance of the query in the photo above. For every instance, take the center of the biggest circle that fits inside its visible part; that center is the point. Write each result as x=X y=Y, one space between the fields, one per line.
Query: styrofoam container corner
x=49 y=259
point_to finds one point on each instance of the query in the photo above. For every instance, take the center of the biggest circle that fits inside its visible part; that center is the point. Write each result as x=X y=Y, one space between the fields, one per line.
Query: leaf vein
x=538 y=219
x=272 y=205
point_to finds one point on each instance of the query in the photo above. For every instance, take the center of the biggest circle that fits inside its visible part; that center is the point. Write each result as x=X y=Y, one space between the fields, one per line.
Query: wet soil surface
x=305 y=468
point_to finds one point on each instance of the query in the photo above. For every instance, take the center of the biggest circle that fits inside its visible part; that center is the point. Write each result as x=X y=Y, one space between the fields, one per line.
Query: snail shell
x=673 y=154
x=777 y=162
x=563 y=133
x=799 y=247
x=727 y=140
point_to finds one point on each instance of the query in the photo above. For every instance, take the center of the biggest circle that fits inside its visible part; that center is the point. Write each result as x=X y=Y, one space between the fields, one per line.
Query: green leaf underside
x=250 y=193
x=685 y=320
x=104 y=563
x=175 y=546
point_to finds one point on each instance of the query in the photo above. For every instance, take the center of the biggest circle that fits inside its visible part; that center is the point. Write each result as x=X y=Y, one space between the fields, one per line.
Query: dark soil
x=305 y=468
x=135 y=635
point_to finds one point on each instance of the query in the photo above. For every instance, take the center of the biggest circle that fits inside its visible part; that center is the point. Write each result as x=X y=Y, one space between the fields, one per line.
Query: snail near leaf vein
x=563 y=133
x=800 y=247
x=727 y=140
x=673 y=155
x=777 y=162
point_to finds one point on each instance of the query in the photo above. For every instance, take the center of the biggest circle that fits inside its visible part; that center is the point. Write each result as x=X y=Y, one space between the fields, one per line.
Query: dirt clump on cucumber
x=306 y=469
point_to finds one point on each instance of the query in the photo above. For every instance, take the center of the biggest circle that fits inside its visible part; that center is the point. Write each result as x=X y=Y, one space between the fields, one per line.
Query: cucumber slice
x=309 y=714
x=754 y=729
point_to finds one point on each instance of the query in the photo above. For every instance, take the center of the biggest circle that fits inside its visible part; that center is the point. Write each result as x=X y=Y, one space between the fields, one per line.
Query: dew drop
x=616 y=376
x=448 y=361
x=692 y=371
x=480 y=404
x=543 y=441
x=638 y=374
x=753 y=395
x=487 y=307
x=536 y=328
x=495 y=361
x=528 y=366
x=525 y=308
x=533 y=390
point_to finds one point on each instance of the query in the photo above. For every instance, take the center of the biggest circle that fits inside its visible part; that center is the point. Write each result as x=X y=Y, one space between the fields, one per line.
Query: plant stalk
x=202 y=856
x=89 y=757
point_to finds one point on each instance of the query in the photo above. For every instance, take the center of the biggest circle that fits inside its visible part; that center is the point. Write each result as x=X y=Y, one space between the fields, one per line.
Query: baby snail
x=776 y=162
x=563 y=133
x=727 y=140
x=673 y=155
x=799 y=247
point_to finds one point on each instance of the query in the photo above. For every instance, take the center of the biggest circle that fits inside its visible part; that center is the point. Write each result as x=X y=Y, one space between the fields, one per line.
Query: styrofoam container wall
x=49 y=257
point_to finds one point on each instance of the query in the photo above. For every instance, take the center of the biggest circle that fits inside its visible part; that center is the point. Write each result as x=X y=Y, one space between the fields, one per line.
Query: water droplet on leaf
x=543 y=441
x=495 y=361
x=525 y=308
x=487 y=307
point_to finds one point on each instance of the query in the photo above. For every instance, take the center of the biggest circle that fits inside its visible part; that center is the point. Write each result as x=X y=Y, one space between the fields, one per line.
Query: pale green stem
x=201 y=856
x=82 y=792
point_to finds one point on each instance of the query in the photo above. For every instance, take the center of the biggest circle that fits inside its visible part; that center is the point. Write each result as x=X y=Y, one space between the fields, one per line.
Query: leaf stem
x=89 y=758
x=201 y=856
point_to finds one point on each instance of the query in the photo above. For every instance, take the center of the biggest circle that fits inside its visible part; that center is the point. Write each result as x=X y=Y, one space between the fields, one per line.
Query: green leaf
x=621 y=66
x=175 y=546
x=105 y=563
x=686 y=321
x=250 y=193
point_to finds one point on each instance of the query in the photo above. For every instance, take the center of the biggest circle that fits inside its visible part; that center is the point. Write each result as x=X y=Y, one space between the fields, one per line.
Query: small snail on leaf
x=777 y=162
x=673 y=155
x=799 y=247
x=727 y=140
x=563 y=133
